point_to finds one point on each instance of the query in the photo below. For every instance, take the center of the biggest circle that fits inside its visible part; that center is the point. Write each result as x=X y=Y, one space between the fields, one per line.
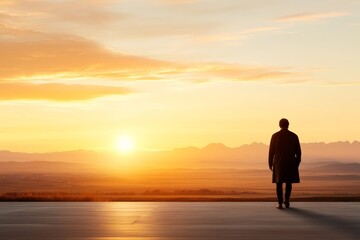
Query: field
x=173 y=185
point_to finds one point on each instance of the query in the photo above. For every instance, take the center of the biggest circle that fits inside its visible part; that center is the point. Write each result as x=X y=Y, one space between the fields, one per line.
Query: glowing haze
x=174 y=73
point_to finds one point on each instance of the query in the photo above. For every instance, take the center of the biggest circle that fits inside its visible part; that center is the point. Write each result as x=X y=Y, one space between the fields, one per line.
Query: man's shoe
x=287 y=204
x=279 y=206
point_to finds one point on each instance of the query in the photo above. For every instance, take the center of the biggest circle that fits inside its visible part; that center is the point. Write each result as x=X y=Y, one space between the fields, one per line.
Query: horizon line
x=173 y=149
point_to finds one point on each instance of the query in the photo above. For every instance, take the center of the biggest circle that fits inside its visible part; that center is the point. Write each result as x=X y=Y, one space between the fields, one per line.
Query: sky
x=176 y=73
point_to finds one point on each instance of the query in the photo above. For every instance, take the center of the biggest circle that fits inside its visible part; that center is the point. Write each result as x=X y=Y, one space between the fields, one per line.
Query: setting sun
x=125 y=144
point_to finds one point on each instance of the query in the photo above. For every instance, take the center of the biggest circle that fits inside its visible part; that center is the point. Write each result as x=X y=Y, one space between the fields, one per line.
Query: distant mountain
x=214 y=147
x=339 y=151
x=214 y=155
x=332 y=169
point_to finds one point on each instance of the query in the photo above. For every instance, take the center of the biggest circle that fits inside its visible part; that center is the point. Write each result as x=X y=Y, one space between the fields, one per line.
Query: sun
x=125 y=144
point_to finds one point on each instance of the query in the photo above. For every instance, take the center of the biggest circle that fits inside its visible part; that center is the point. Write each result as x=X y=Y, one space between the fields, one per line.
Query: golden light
x=125 y=144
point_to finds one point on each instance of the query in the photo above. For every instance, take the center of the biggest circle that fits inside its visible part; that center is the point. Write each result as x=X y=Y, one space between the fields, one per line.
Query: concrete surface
x=178 y=220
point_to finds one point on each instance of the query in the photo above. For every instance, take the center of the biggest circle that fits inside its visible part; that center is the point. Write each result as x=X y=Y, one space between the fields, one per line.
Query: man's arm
x=271 y=152
x=298 y=151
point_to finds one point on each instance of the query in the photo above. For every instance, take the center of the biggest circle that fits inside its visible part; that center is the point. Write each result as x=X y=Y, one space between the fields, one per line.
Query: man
x=284 y=161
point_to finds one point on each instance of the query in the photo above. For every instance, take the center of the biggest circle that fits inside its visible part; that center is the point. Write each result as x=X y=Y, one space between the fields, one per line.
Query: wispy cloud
x=177 y=1
x=275 y=27
x=82 y=12
x=235 y=36
x=57 y=92
x=28 y=55
x=236 y=72
x=310 y=17
x=5 y=2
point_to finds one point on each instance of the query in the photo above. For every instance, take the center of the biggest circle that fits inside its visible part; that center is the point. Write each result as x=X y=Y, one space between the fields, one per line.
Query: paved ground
x=178 y=220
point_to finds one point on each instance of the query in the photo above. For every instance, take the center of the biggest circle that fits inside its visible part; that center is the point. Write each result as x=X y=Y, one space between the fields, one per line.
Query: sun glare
x=125 y=144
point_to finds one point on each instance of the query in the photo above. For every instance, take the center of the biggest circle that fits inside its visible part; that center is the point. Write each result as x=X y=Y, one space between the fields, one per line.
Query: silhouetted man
x=284 y=161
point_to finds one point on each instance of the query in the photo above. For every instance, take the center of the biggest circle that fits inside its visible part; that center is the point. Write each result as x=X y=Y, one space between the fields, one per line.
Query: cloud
x=236 y=72
x=177 y=1
x=26 y=54
x=75 y=11
x=237 y=35
x=5 y=2
x=57 y=92
x=310 y=17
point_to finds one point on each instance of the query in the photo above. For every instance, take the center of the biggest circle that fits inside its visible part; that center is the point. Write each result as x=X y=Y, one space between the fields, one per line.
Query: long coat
x=285 y=156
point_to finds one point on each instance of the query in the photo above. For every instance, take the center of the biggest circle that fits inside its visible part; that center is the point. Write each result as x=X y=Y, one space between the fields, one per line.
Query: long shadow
x=350 y=228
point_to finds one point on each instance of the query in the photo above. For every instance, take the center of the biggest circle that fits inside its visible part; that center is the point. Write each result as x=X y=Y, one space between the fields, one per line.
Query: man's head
x=284 y=123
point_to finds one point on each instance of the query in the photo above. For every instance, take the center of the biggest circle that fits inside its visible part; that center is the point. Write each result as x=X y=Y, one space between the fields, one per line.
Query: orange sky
x=79 y=74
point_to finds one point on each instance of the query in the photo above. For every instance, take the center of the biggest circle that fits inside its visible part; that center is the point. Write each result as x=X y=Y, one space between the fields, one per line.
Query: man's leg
x=288 y=194
x=279 y=192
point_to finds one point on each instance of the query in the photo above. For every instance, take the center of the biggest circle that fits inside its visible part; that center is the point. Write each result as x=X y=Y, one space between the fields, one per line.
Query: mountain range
x=214 y=155
x=327 y=169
